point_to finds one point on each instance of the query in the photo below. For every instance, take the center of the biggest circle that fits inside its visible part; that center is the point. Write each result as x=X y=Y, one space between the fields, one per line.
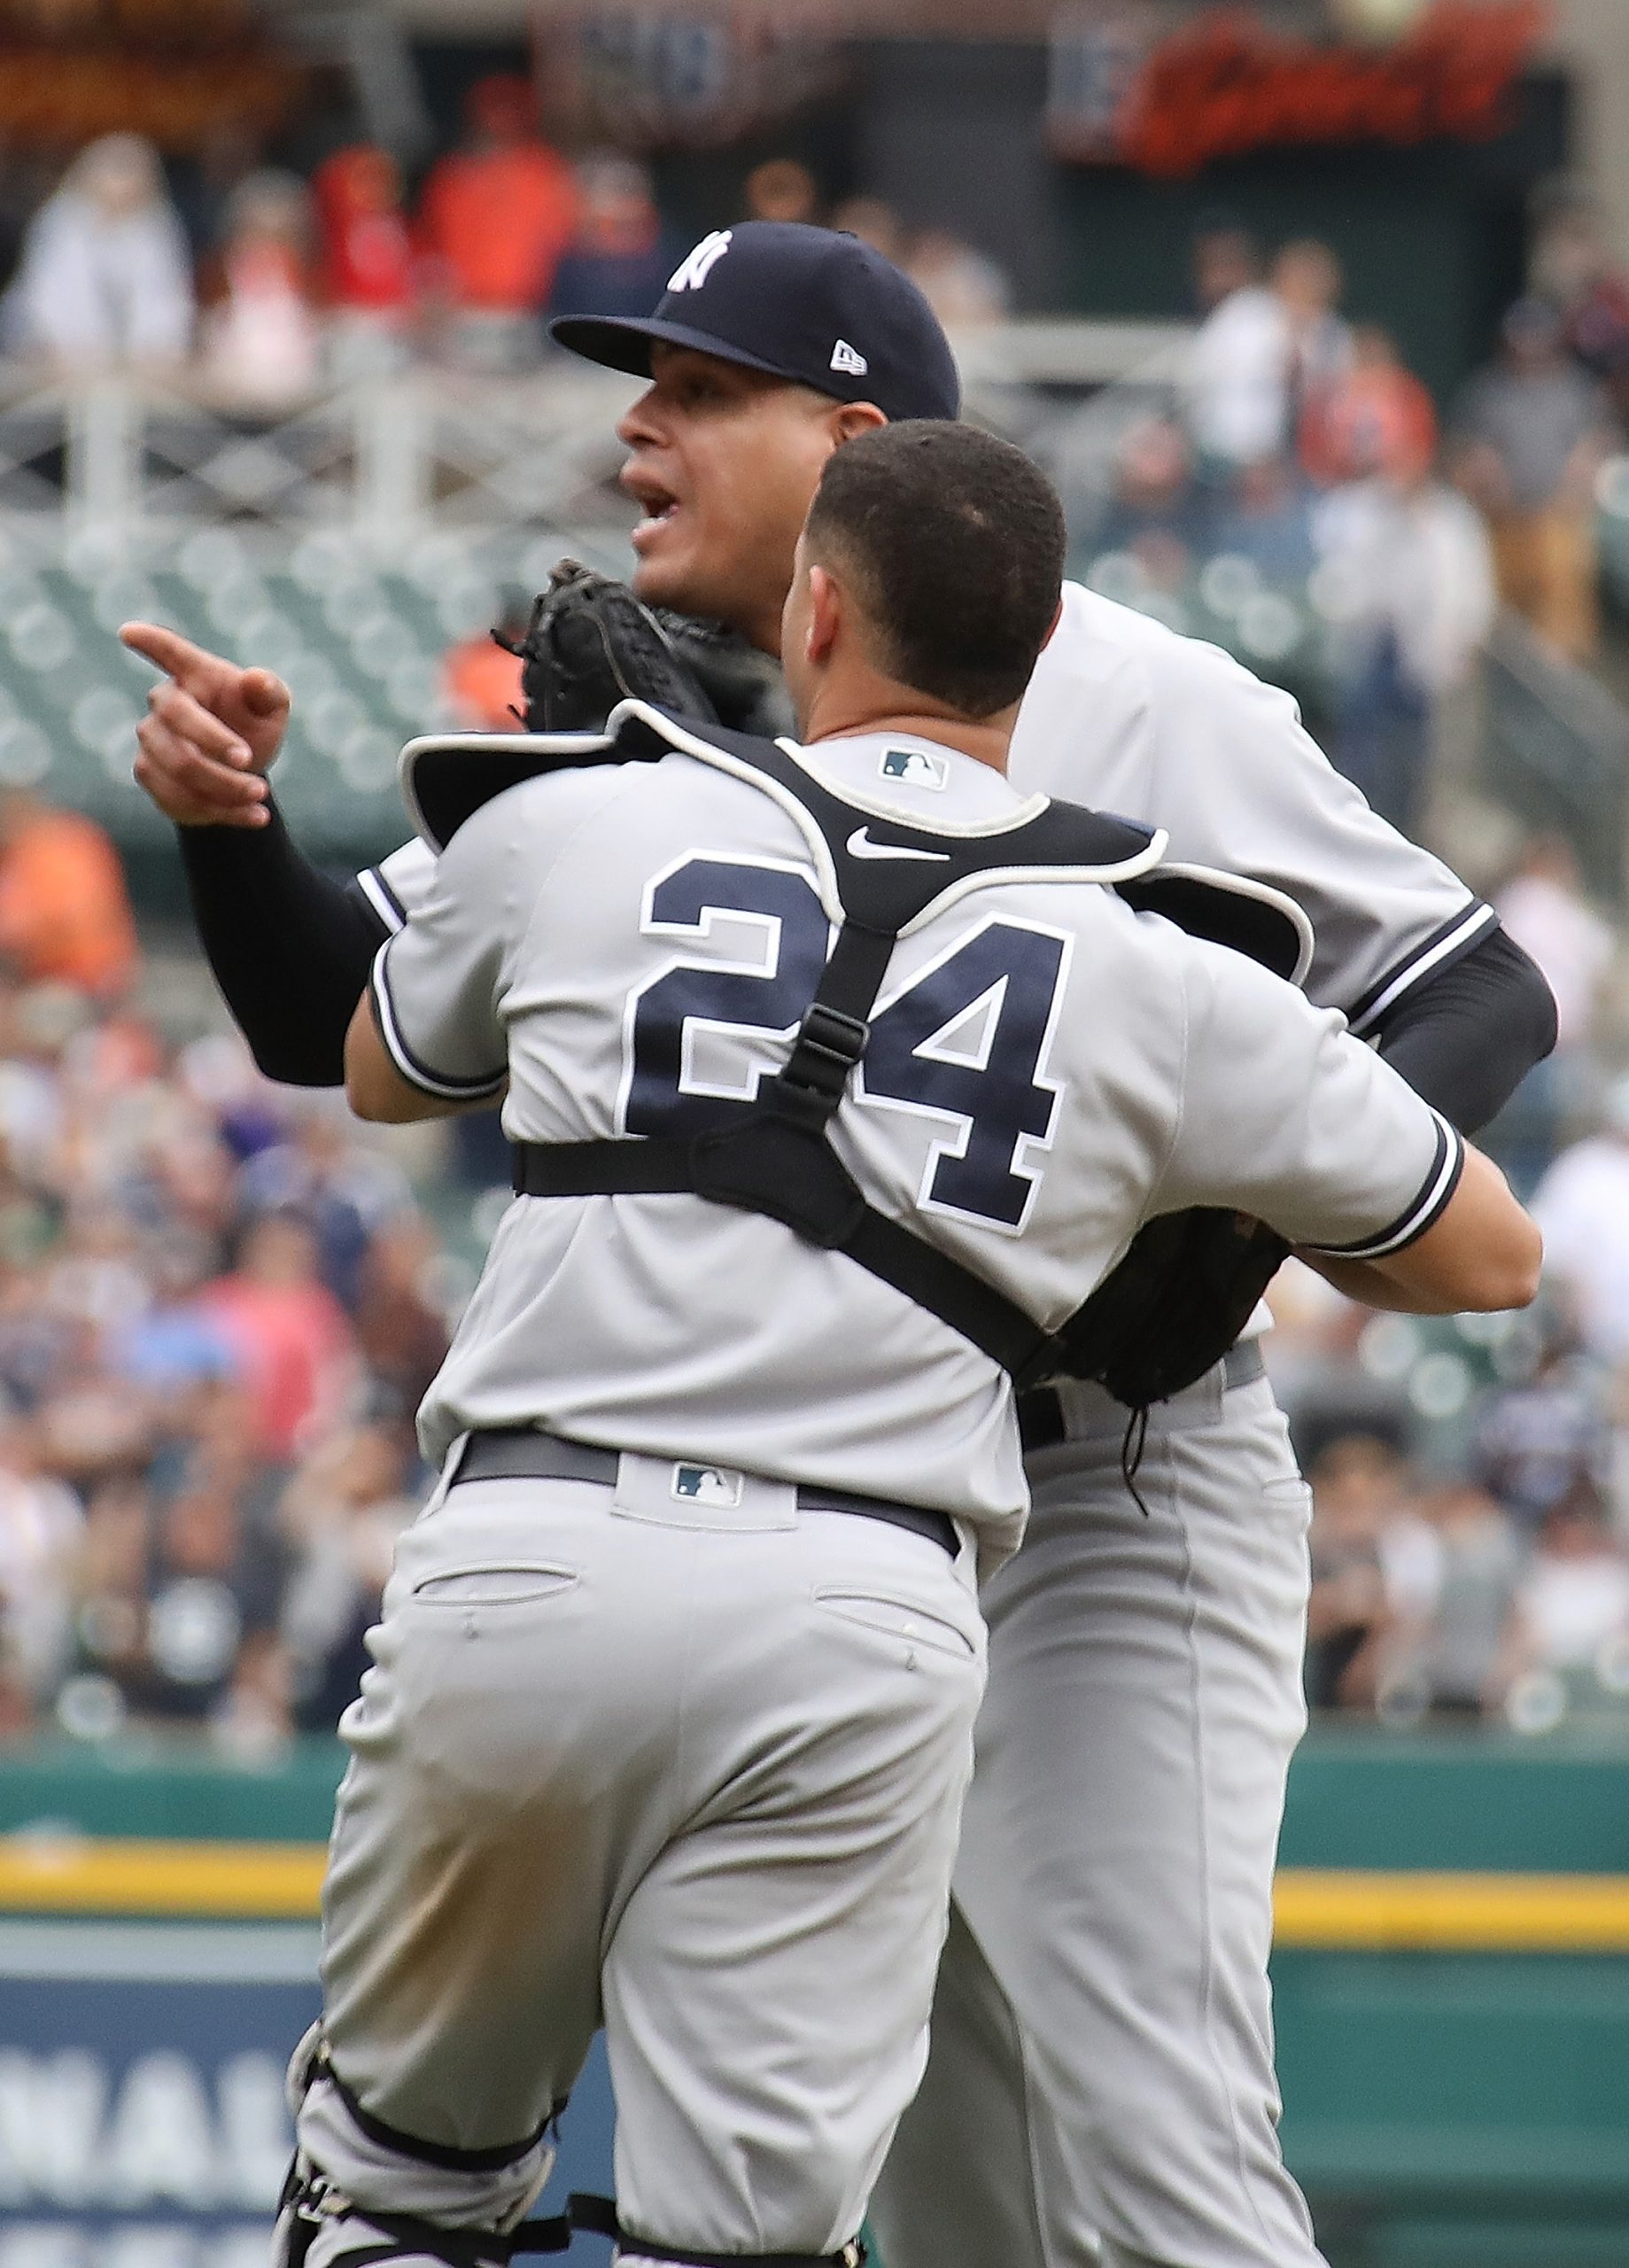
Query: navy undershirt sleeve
x=290 y=948
x=1467 y=1036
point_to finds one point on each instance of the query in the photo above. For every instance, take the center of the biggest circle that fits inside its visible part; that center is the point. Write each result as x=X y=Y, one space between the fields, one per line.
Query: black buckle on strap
x=829 y=1045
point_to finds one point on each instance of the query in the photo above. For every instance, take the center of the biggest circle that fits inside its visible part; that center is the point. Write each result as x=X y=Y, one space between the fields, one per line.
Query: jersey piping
x=1428 y=1204
x=444 y=1085
x=382 y=898
x=1454 y=938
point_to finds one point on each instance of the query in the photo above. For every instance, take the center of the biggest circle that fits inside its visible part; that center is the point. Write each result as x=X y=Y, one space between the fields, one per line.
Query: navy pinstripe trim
x=443 y=1085
x=373 y=907
x=1448 y=1164
x=1440 y=950
x=382 y=897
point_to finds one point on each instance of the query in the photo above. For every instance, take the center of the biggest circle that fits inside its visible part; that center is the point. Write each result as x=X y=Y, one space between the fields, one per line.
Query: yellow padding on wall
x=51 y=1873
x=1452 y=1913
x=1318 y=1908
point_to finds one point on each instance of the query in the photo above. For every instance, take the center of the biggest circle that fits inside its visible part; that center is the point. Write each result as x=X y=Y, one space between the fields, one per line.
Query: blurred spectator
x=64 y=912
x=1157 y=512
x=1582 y=1207
x=1536 y=1439
x=1411 y=580
x=1544 y=908
x=781 y=189
x=1225 y=258
x=480 y=679
x=341 y=1515
x=1265 y=355
x=1532 y=432
x=1574 y=1597
x=616 y=264
x=40 y=1524
x=1460 y=1660
x=260 y=330
x=875 y=222
x=496 y=215
x=343 y=1194
x=1306 y=282
x=1374 y=417
x=1265 y=517
x=366 y=269
x=1571 y=266
x=105 y=277
x=965 y=288
x=293 y=1344
x=401 y=1331
x=1358 y=1490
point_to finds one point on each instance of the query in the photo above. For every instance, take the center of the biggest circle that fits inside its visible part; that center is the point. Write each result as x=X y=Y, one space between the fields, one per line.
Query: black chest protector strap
x=777 y=1161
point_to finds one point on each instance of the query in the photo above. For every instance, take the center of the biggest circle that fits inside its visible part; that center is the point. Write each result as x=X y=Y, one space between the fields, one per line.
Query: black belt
x=524 y=1453
x=1041 y=1423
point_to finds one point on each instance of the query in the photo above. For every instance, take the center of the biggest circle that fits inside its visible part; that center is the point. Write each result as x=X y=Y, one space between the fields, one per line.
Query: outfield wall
x=1451 y=1982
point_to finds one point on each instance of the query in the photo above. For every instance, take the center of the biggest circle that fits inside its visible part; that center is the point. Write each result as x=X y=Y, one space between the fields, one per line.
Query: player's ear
x=826 y=602
x=850 y=419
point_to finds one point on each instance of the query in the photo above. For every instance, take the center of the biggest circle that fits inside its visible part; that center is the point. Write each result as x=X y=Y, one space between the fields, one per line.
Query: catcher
x=1101 y=2084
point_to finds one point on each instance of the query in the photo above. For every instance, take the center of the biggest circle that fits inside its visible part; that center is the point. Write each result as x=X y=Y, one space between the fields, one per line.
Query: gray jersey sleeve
x=1251 y=780
x=1286 y=1116
x=437 y=982
x=1124 y=714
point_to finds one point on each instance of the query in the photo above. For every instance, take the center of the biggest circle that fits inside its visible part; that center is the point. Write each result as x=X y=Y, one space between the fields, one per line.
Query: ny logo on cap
x=846 y=358
x=698 y=264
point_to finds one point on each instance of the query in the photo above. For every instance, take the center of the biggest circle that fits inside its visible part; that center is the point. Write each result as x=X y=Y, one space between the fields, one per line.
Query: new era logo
x=913 y=767
x=849 y=359
x=705 y=1484
x=699 y=263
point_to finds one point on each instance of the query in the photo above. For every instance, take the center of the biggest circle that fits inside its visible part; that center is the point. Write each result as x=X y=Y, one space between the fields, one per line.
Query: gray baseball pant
x=1100 y=2088
x=693 y=1772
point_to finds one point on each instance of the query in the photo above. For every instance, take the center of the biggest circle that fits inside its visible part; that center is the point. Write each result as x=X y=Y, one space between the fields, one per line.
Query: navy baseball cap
x=809 y=305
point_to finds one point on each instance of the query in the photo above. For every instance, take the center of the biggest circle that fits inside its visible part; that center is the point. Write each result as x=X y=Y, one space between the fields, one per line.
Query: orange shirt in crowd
x=65 y=915
x=483 y=683
x=1379 y=419
x=498 y=221
x=294 y=1352
x=366 y=256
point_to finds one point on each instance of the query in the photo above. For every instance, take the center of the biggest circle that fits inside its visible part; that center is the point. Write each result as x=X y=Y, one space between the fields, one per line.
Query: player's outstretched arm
x=288 y=947
x=1482 y=1254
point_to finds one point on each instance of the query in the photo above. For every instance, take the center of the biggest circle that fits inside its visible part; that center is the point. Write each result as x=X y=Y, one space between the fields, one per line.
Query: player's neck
x=838 y=710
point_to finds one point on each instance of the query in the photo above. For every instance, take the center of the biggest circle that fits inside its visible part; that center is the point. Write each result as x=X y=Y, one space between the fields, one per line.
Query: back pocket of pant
x=900 y=1620
x=505 y=1585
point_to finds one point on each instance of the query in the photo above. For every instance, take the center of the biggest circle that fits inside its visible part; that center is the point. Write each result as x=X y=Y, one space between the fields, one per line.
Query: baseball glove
x=1175 y=1303
x=590 y=643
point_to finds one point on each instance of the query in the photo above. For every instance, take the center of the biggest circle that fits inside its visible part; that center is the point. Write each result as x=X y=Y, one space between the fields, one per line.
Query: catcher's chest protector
x=774 y=1157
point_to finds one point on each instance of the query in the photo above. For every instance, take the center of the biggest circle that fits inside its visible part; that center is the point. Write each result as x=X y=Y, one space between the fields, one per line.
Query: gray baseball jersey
x=1123 y=714
x=1046 y=1070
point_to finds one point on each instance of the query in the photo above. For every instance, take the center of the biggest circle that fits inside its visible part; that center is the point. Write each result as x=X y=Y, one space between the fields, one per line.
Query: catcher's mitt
x=590 y=643
x=1176 y=1303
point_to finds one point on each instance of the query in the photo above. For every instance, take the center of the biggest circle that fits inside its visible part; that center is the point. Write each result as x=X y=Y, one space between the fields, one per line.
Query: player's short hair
x=954 y=543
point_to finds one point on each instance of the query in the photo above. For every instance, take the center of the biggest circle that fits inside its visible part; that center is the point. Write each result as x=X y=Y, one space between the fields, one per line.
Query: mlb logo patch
x=913 y=767
x=706 y=1484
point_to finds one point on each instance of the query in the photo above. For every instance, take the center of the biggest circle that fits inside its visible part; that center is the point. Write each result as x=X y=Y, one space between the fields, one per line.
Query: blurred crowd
x=219 y=1304
x=1303 y=453
x=1470 y=1478
x=262 y=286
x=221 y=1301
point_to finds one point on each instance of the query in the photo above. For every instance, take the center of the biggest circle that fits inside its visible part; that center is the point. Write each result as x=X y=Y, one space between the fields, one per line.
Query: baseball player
x=1104 y=2026
x=673 y=1694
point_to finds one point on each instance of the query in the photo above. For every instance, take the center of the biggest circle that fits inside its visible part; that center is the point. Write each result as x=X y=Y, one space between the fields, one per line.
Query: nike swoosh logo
x=861 y=846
